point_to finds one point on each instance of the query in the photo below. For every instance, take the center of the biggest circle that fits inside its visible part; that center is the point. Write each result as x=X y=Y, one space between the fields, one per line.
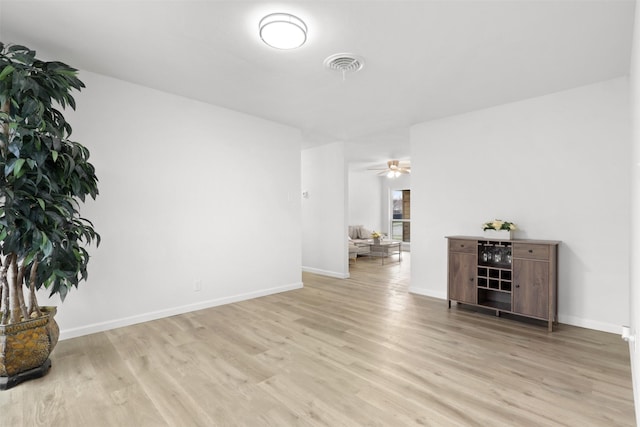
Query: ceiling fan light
x=283 y=31
x=394 y=169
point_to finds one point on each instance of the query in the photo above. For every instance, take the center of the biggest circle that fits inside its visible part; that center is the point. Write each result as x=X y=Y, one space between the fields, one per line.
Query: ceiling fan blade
x=393 y=167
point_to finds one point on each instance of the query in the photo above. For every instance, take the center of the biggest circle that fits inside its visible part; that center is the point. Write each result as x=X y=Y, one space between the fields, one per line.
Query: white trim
x=153 y=315
x=428 y=293
x=326 y=272
x=567 y=320
x=589 y=324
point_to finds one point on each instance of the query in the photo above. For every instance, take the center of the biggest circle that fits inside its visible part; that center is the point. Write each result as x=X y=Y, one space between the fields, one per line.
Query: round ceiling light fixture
x=283 y=31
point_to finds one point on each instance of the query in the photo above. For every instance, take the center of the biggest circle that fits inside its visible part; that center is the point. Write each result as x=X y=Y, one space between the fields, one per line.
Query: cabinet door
x=531 y=288
x=462 y=277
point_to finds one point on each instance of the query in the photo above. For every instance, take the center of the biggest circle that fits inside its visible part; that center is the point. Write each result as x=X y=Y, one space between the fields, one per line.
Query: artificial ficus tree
x=43 y=178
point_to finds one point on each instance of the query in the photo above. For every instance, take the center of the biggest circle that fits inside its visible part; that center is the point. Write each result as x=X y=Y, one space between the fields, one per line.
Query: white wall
x=188 y=192
x=365 y=198
x=324 y=212
x=634 y=282
x=557 y=166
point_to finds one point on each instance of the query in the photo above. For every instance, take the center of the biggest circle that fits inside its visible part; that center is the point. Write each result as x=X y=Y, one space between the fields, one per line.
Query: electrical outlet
x=197 y=286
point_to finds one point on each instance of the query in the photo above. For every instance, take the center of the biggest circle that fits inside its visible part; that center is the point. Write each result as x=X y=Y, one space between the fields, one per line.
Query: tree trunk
x=20 y=292
x=5 y=293
x=33 y=301
x=14 y=288
x=4 y=303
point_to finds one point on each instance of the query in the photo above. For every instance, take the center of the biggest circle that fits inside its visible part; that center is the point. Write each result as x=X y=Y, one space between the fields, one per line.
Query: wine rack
x=494 y=274
x=510 y=276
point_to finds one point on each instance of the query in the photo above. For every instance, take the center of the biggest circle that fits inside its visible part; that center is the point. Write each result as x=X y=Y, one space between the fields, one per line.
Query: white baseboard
x=590 y=324
x=567 y=320
x=325 y=272
x=145 y=317
x=428 y=293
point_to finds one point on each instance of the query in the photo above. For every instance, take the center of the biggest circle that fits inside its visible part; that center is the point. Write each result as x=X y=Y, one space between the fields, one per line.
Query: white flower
x=498 y=224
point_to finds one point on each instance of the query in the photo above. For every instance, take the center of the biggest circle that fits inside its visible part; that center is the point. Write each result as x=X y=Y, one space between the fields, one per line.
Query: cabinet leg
x=497 y=313
x=449 y=303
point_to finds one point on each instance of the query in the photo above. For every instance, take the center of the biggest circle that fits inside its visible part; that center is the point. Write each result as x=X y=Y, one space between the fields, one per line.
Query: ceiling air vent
x=344 y=62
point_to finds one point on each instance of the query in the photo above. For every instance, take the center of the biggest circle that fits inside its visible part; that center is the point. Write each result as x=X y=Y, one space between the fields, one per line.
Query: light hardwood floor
x=361 y=351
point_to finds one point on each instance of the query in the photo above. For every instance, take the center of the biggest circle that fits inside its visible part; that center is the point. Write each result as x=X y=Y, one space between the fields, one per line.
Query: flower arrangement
x=376 y=235
x=498 y=224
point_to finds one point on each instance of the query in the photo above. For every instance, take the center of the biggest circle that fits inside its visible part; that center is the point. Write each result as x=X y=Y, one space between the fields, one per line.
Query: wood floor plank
x=354 y=352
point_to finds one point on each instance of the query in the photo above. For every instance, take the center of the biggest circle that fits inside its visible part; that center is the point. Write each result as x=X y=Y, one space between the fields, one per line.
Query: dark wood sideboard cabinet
x=508 y=276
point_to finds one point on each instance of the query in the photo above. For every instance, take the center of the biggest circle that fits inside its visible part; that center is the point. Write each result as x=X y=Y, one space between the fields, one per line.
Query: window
x=401 y=215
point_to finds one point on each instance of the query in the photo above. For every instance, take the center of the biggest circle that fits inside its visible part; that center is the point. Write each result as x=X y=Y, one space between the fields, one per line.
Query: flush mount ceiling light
x=283 y=31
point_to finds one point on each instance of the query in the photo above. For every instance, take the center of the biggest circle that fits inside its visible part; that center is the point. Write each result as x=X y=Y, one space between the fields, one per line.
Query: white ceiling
x=423 y=59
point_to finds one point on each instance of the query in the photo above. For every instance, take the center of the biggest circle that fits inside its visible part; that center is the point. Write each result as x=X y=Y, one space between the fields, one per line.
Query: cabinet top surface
x=541 y=242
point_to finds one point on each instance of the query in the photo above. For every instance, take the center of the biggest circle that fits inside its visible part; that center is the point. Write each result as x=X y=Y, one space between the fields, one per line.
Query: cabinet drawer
x=459 y=245
x=529 y=251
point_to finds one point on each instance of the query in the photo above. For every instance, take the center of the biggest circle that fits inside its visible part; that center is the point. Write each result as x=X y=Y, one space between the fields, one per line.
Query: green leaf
x=41 y=203
x=17 y=167
x=17 y=48
x=62 y=292
x=8 y=168
x=6 y=71
x=29 y=258
x=14 y=149
x=46 y=247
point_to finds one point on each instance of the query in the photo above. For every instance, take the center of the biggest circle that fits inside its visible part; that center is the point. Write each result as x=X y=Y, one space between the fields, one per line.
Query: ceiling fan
x=394 y=169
